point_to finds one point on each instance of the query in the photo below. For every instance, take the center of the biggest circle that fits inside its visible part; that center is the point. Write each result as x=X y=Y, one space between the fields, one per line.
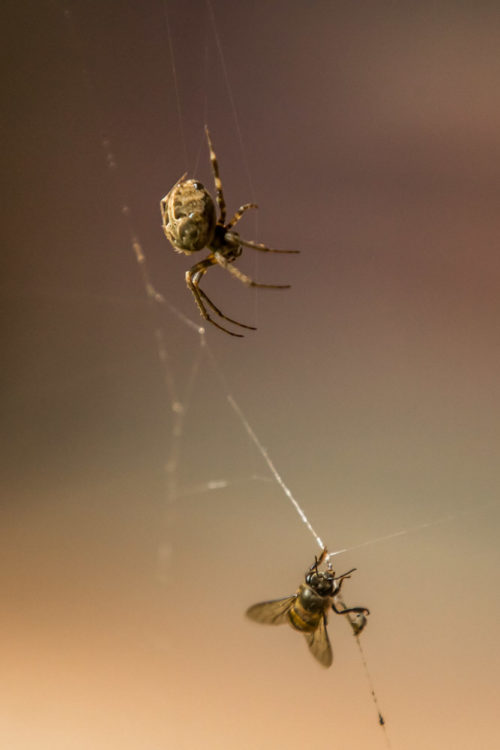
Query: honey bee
x=306 y=610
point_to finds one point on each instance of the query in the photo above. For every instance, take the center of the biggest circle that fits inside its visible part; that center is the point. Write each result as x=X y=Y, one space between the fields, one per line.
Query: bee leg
x=342 y=578
x=346 y=610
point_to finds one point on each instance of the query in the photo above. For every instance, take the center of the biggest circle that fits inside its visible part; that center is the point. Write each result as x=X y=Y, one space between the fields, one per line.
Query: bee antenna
x=345 y=575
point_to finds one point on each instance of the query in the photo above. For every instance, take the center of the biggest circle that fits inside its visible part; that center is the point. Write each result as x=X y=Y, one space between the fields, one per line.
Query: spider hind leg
x=221 y=314
x=193 y=278
x=247 y=280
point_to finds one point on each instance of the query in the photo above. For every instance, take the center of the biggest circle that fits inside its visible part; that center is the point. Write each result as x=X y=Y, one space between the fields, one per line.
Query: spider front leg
x=239 y=213
x=218 y=182
x=193 y=278
x=247 y=280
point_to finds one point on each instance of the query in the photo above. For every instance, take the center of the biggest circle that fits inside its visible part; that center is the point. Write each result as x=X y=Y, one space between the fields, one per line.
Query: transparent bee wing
x=319 y=644
x=271 y=613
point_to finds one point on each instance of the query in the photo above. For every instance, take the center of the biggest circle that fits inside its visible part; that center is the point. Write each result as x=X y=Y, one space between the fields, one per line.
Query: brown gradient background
x=372 y=135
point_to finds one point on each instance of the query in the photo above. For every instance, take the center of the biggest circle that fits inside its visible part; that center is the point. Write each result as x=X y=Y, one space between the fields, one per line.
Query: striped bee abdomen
x=308 y=609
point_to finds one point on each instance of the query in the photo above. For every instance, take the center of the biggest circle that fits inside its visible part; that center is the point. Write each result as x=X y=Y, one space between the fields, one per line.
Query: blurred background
x=369 y=134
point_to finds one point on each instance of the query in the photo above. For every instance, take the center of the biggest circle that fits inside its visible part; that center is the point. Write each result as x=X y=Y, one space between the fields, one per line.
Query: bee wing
x=319 y=644
x=271 y=613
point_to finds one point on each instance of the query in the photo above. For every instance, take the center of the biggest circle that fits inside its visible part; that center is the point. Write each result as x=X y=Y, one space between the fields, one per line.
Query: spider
x=190 y=224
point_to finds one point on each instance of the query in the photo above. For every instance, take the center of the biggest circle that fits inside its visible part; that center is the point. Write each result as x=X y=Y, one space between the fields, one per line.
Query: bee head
x=322 y=583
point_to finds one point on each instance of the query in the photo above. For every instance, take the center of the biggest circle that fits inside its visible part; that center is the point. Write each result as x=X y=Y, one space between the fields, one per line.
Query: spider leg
x=222 y=261
x=263 y=248
x=193 y=278
x=239 y=213
x=221 y=314
x=218 y=182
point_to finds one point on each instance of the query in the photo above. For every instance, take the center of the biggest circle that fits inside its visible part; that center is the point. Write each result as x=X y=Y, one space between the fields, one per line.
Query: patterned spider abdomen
x=189 y=217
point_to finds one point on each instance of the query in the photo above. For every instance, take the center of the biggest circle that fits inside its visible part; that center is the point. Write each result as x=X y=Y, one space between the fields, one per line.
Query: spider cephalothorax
x=190 y=224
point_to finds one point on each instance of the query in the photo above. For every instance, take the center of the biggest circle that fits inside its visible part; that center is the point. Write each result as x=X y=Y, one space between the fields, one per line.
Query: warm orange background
x=372 y=137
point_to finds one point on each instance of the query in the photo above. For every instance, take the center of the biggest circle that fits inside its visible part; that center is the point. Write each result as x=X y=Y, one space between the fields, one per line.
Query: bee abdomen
x=303 y=619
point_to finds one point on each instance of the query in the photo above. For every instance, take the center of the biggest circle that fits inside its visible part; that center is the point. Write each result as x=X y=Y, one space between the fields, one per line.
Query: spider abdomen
x=189 y=216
